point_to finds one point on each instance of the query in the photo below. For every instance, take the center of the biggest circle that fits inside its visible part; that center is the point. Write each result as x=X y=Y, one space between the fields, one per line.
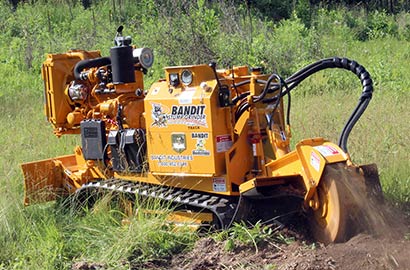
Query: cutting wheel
x=329 y=222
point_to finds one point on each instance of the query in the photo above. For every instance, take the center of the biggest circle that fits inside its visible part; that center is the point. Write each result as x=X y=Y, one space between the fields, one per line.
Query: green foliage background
x=190 y=32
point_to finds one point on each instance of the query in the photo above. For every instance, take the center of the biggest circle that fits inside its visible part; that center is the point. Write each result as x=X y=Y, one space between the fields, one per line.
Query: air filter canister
x=122 y=64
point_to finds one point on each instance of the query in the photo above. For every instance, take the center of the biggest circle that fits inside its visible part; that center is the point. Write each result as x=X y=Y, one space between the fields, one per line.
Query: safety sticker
x=186 y=97
x=223 y=143
x=327 y=150
x=219 y=184
x=315 y=161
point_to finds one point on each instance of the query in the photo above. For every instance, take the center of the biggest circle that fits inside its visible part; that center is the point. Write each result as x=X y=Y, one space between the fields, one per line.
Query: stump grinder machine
x=213 y=143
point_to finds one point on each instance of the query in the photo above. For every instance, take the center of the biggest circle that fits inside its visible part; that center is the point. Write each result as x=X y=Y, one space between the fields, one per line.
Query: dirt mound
x=383 y=251
x=387 y=248
x=361 y=252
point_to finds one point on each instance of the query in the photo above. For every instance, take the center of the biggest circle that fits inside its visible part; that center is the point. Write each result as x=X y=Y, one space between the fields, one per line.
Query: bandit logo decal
x=189 y=115
x=200 y=148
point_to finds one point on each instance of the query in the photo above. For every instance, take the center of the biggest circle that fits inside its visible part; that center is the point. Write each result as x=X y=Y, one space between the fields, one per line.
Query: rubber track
x=221 y=206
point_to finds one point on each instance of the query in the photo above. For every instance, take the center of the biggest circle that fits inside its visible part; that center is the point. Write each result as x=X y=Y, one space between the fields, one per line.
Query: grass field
x=47 y=237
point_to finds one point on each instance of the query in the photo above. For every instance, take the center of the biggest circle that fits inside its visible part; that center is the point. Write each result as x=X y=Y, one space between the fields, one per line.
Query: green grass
x=381 y=136
x=240 y=234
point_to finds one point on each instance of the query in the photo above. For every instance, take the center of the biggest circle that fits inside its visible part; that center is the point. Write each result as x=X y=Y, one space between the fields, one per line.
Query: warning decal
x=223 y=143
x=327 y=150
x=186 y=97
x=315 y=161
x=219 y=184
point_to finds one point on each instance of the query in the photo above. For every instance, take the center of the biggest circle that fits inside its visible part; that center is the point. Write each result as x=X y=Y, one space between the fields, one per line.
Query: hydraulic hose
x=240 y=97
x=89 y=63
x=266 y=88
x=344 y=63
x=245 y=94
x=295 y=79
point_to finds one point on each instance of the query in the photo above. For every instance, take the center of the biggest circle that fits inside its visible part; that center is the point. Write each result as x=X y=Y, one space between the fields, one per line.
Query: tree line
x=391 y=6
x=276 y=9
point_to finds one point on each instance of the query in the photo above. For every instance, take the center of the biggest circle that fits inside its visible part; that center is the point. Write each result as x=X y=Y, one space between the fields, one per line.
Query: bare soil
x=385 y=246
x=361 y=252
x=388 y=247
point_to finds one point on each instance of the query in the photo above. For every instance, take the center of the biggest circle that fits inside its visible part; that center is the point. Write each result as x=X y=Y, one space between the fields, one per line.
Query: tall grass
x=45 y=237
x=382 y=133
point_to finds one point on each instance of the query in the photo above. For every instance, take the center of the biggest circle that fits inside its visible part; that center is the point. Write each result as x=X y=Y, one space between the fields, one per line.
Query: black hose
x=241 y=109
x=240 y=97
x=360 y=108
x=244 y=94
x=265 y=88
x=335 y=62
x=281 y=83
x=343 y=63
x=243 y=83
x=299 y=76
x=289 y=105
x=89 y=63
